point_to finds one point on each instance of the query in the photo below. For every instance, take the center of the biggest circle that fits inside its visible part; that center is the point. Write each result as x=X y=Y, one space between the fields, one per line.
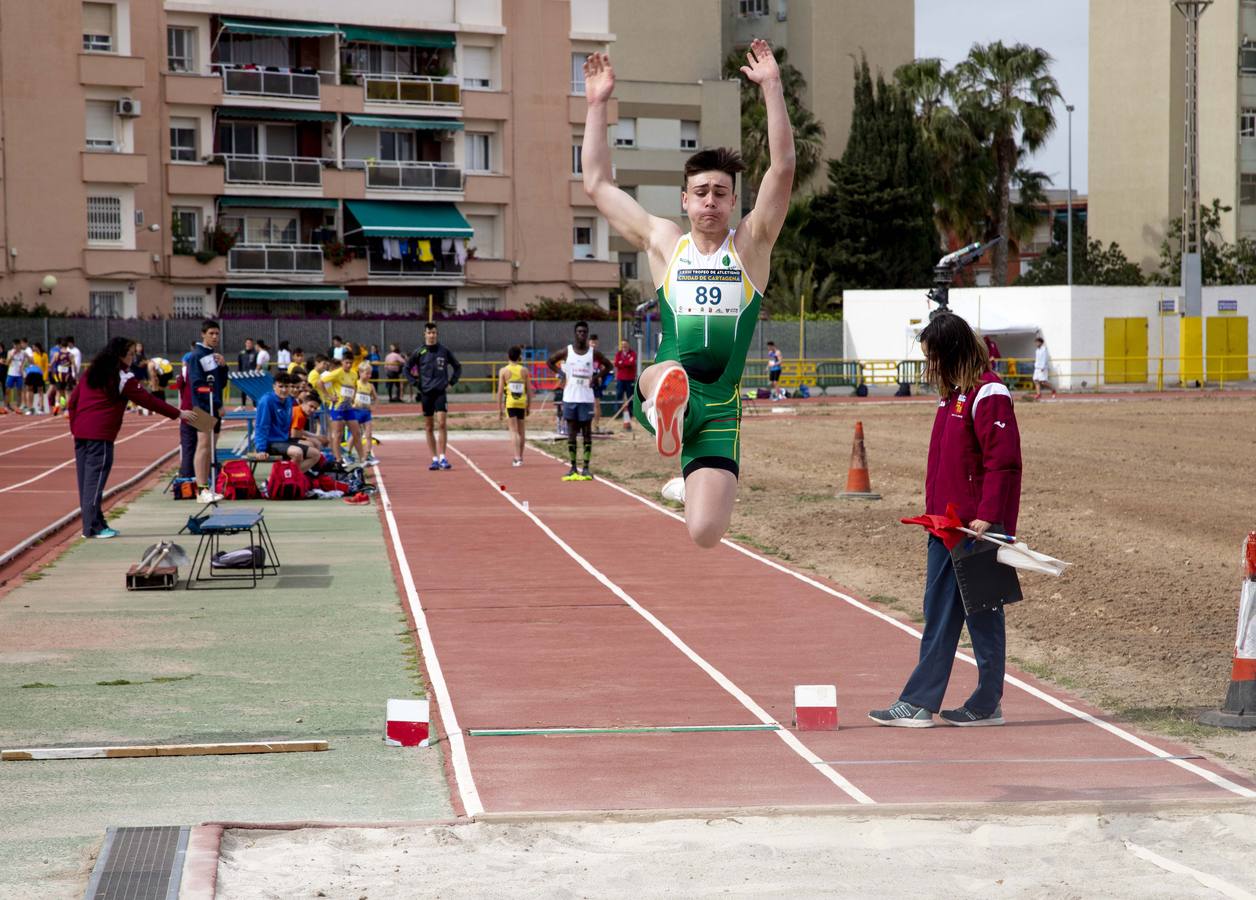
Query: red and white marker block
x=815 y=707
x=407 y=723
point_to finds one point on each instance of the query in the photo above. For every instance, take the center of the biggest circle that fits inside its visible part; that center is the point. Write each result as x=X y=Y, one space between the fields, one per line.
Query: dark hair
x=262 y=344
x=310 y=397
x=515 y=353
x=321 y=357
x=40 y=347
x=593 y=337
x=283 y=345
x=69 y=339
x=771 y=343
x=429 y=326
x=296 y=350
x=715 y=159
x=208 y=324
x=582 y=324
x=300 y=373
x=107 y=363
x=954 y=357
x=336 y=337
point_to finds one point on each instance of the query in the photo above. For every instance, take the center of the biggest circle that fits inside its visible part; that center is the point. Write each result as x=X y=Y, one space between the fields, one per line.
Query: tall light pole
x=1069 y=107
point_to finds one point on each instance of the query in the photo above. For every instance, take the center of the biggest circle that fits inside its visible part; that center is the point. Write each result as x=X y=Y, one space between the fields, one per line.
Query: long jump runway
x=553 y=605
x=38 y=484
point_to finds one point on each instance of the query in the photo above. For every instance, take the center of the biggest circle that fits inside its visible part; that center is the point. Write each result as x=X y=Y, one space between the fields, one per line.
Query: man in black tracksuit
x=432 y=369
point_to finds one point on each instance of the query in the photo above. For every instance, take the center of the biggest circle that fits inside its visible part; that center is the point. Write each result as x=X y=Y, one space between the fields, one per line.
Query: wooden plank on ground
x=217 y=749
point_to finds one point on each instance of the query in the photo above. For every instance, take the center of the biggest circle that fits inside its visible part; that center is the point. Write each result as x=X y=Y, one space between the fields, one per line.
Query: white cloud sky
x=948 y=28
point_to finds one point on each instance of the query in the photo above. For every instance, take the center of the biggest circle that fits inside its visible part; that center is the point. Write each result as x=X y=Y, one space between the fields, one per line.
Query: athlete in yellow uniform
x=689 y=396
x=363 y=399
x=514 y=386
x=341 y=384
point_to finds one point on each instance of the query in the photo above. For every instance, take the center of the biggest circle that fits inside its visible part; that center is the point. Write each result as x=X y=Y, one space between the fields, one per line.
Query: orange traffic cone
x=858 y=486
x=1239 y=710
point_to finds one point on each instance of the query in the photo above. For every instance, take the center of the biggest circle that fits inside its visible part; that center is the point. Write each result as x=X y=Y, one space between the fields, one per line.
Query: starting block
x=815 y=707
x=407 y=724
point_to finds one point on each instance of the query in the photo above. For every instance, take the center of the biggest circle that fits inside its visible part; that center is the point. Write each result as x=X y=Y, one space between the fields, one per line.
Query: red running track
x=590 y=607
x=37 y=479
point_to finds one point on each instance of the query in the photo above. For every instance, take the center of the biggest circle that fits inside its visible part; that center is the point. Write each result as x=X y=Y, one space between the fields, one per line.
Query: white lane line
x=1121 y=733
x=70 y=461
x=55 y=437
x=471 y=804
x=1219 y=885
x=722 y=680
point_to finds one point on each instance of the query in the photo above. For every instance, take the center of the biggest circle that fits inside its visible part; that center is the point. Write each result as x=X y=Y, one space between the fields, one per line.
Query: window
x=752 y=7
x=261 y=229
x=482 y=304
x=627 y=267
x=185 y=230
x=1247 y=59
x=478 y=150
x=688 y=135
x=1247 y=189
x=582 y=238
x=104 y=218
x=238 y=139
x=397 y=146
x=102 y=125
x=189 y=306
x=577 y=168
x=477 y=67
x=183 y=140
x=577 y=72
x=98 y=27
x=1247 y=122
x=626 y=133
x=105 y=304
x=180 y=49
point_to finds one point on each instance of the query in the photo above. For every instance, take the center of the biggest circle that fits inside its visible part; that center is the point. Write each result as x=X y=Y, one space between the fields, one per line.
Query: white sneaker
x=674 y=490
x=516 y=463
x=208 y=496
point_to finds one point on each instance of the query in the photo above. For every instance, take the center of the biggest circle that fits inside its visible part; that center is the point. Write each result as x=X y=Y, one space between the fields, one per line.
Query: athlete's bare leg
x=709 y=497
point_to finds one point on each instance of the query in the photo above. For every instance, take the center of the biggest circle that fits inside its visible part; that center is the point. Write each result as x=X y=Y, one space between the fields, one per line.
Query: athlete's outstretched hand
x=599 y=78
x=761 y=64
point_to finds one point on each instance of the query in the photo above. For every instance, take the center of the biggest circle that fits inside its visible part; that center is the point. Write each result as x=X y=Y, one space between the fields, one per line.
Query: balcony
x=300 y=171
x=111 y=70
x=252 y=81
x=275 y=259
x=594 y=273
x=193 y=180
x=410 y=90
x=396 y=175
x=193 y=90
x=444 y=268
x=114 y=168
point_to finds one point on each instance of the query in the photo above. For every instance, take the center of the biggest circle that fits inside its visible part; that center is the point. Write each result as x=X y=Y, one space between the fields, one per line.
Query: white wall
x=658 y=133
x=881 y=325
x=590 y=17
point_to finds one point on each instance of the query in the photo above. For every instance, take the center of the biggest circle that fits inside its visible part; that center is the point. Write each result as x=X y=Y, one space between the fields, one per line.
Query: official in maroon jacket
x=975 y=464
x=96 y=408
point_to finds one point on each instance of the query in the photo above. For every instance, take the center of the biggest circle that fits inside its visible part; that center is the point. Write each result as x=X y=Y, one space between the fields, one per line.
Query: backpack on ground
x=286 y=481
x=326 y=482
x=245 y=558
x=235 y=481
x=183 y=488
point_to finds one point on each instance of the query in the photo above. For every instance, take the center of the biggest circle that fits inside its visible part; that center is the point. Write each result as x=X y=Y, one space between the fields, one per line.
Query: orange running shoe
x=667 y=412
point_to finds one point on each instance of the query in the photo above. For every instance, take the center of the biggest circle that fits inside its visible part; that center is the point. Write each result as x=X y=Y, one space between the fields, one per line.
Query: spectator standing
x=625 y=380
x=77 y=354
x=15 y=374
x=774 y=372
x=246 y=360
x=263 y=357
x=283 y=356
x=96 y=410
x=60 y=377
x=207 y=374
x=337 y=348
x=394 y=362
x=434 y=369
x=1042 y=369
x=974 y=464
x=36 y=378
x=992 y=350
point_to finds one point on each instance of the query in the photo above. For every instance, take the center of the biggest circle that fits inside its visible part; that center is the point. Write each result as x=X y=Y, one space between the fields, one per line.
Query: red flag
x=944 y=527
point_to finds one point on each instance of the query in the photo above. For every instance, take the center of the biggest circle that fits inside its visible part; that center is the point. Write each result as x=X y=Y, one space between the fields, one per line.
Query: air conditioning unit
x=128 y=106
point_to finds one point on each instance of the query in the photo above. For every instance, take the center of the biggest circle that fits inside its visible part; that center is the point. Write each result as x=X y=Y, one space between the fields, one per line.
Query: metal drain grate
x=139 y=864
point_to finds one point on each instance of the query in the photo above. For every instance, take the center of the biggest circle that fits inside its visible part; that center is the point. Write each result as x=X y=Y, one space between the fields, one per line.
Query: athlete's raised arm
x=624 y=214
x=772 y=202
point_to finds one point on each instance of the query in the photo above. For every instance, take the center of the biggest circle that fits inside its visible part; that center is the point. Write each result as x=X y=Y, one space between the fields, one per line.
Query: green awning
x=439 y=39
x=406 y=124
x=278 y=28
x=279 y=202
x=312 y=293
x=382 y=218
x=284 y=115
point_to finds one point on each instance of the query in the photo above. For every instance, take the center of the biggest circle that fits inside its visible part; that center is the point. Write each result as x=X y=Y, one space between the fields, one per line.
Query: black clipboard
x=984 y=582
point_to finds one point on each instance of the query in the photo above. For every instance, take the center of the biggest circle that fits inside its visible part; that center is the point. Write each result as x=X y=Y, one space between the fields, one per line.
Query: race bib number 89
x=708 y=292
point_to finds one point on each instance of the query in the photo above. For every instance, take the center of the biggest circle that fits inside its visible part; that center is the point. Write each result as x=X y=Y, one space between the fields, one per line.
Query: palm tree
x=1006 y=92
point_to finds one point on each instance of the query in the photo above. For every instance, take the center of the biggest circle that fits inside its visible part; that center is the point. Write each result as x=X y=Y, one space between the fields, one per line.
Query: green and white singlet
x=709 y=308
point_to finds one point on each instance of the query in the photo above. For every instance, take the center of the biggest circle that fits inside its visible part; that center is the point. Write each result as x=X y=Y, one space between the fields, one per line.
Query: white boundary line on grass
x=1212 y=777
x=719 y=677
x=471 y=804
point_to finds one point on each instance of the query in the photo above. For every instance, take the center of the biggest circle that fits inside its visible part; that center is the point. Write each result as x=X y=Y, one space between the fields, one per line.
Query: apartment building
x=824 y=40
x=1137 y=114
x=186 y=158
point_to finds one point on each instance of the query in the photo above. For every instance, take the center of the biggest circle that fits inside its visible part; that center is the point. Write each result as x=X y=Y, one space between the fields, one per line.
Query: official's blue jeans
x=944 y=619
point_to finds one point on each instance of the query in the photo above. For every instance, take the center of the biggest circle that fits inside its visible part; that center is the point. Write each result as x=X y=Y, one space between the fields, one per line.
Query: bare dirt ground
x=1149 y=498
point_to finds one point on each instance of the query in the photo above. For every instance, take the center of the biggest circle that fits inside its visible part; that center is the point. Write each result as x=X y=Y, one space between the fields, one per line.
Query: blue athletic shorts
x=362 y=415
x=13 y=383
x=578 y=412
x=343 y=415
